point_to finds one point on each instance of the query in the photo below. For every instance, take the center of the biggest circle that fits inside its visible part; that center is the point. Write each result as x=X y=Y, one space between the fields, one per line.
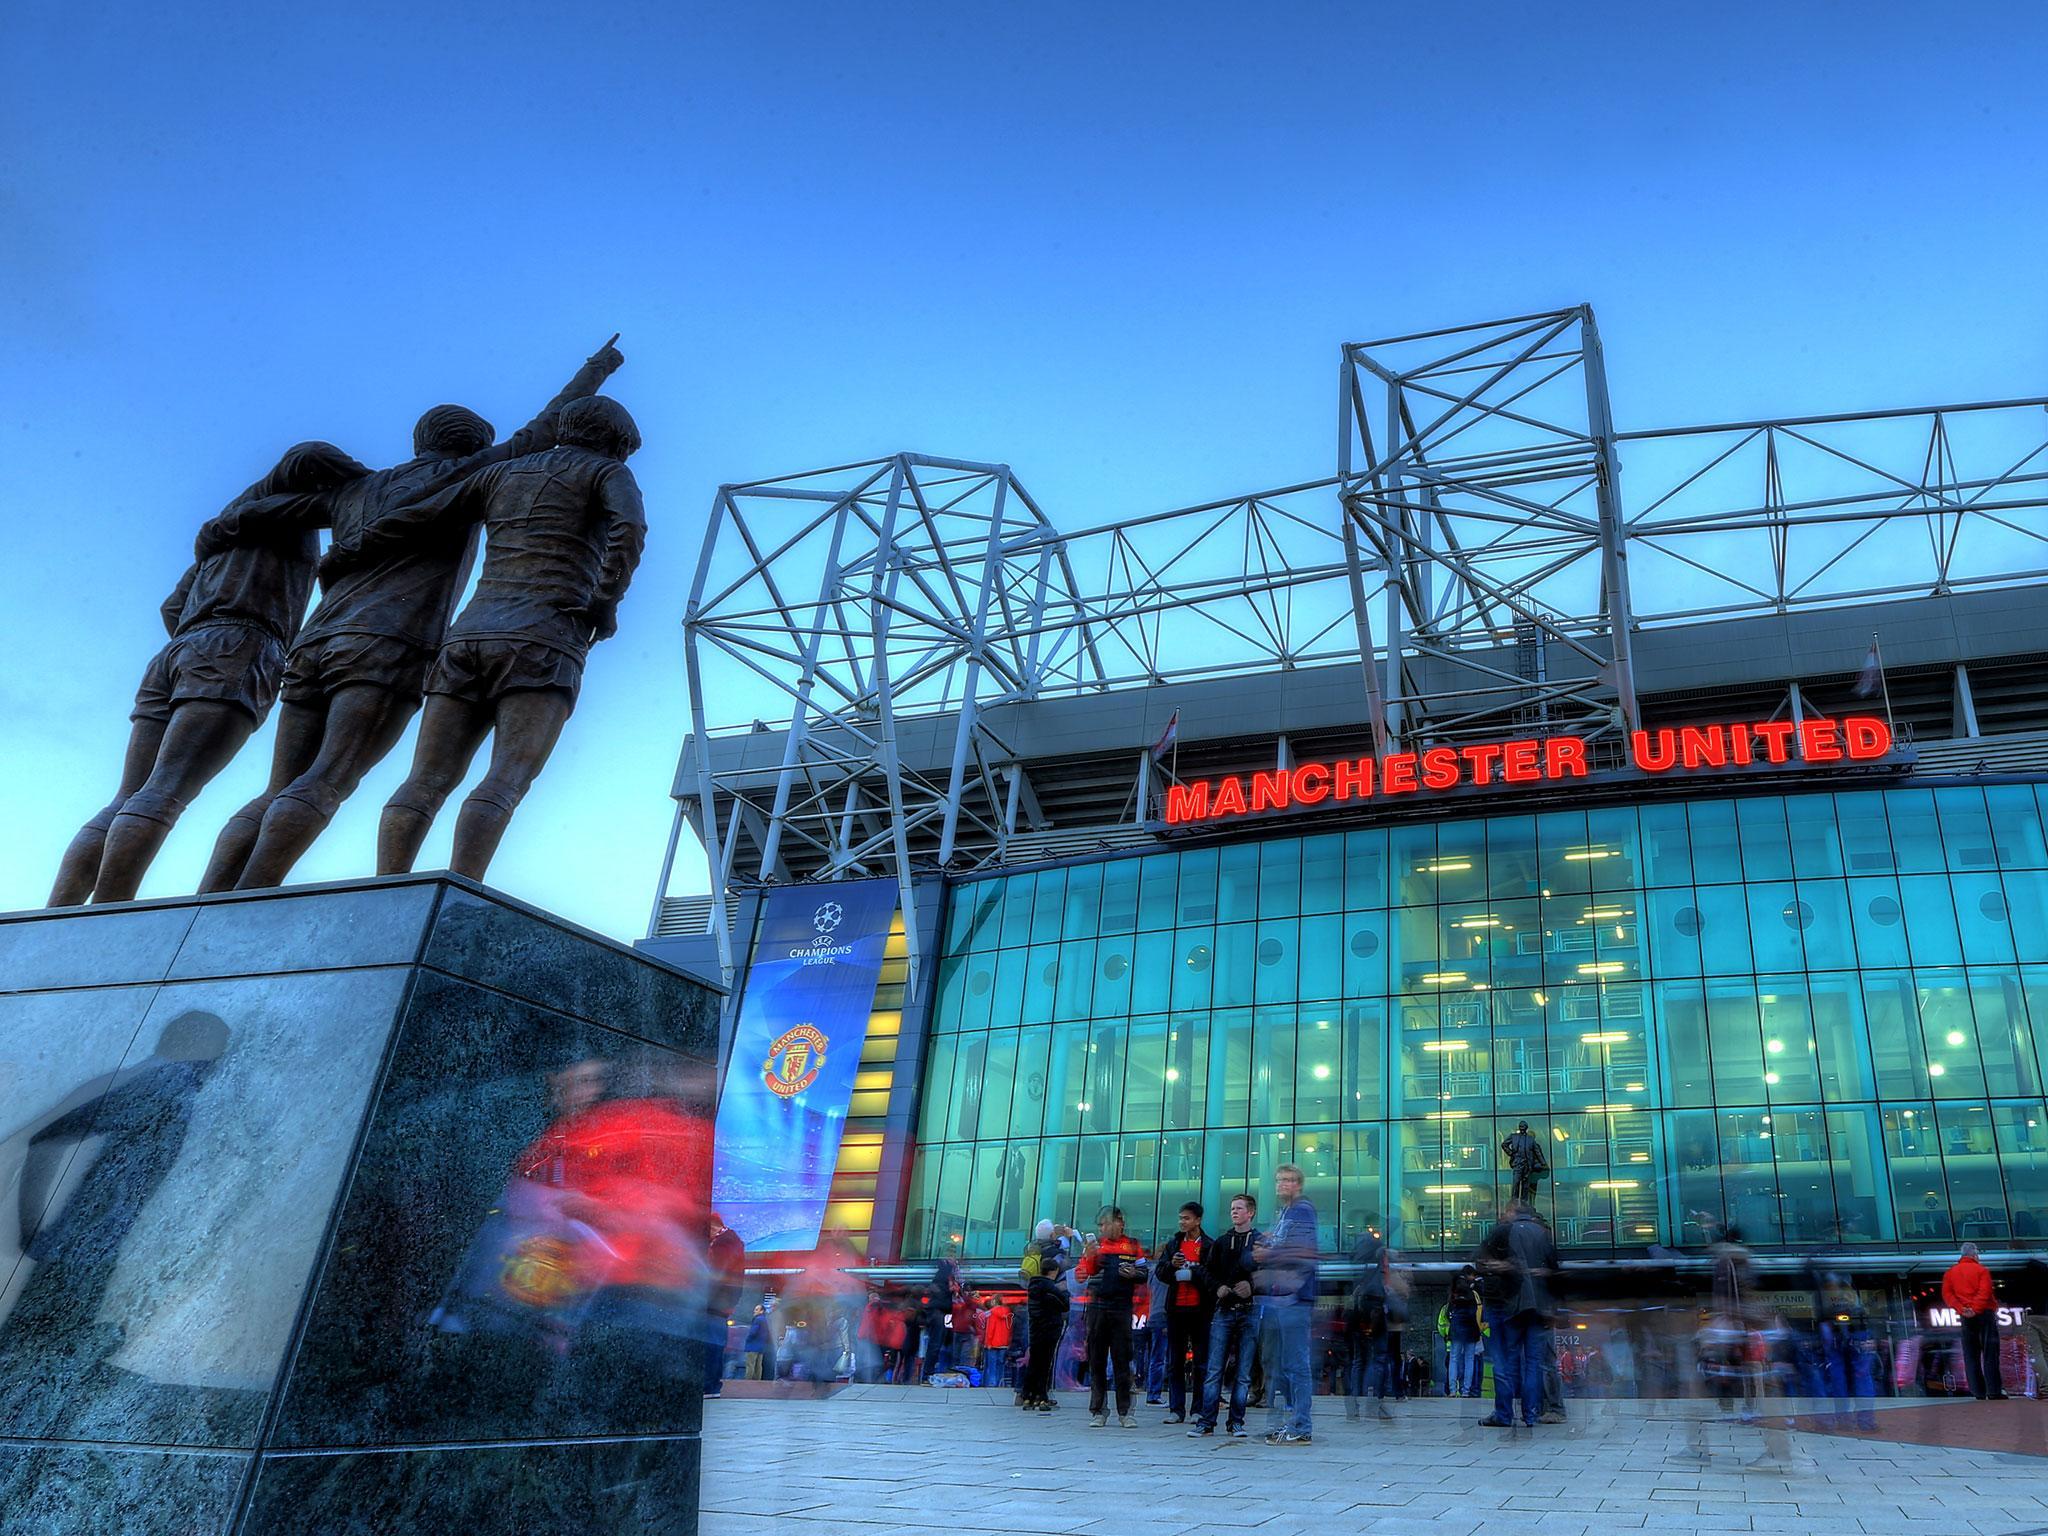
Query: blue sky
x=1114 y=246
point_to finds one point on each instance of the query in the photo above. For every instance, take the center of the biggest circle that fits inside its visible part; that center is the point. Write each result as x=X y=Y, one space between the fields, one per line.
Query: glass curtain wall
x=1810 y=1016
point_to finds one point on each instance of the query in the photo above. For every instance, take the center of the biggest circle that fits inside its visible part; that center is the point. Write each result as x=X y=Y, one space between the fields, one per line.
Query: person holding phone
x=1233 y=1328
x=1183 y=1264
x=1113 y=1268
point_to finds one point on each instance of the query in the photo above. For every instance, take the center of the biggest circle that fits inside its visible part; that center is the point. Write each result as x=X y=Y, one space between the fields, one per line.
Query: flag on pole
x=1871 y=678
x=1165 y=742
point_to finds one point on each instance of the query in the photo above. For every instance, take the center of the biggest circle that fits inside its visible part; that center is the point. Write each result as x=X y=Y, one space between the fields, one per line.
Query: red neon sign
x=1531 y=760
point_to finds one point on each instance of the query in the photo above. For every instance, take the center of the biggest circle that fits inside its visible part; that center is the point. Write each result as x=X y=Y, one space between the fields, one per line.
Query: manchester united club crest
x=542 y=1272
x=794 y=1061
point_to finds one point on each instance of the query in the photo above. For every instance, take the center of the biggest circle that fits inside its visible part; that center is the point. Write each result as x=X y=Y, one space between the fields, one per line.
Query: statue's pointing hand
x=608 y=357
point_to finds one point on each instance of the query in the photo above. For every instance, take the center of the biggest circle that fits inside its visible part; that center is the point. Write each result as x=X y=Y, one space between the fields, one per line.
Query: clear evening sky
x=1115 y=246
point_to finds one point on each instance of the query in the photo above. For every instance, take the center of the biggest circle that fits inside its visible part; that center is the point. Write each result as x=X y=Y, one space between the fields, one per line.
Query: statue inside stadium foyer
x=230 y=621
x=358 y=670
x=563 y=531
x=1524 y=1154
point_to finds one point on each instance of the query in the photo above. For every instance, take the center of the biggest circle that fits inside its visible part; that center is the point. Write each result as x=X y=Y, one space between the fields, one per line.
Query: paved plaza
x=871 y=1461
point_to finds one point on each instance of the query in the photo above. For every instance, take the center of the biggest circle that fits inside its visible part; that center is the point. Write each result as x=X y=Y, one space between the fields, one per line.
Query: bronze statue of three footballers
x=562 y=528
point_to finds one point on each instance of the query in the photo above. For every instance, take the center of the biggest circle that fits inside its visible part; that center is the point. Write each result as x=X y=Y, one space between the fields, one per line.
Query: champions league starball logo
x=794 y=1061
x=821 y=950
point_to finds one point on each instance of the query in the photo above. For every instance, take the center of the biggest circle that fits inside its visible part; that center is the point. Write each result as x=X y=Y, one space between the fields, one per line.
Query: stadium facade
x=1680 y=793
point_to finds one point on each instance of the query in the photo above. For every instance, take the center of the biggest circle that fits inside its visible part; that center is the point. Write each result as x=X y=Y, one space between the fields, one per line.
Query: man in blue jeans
x=1234 y=1329
x=1287 y=1271
x=1153 y=1341
x=1516 y=1261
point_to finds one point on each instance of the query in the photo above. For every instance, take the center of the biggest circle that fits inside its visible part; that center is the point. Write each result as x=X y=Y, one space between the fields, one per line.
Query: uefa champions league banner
x=796 y=1050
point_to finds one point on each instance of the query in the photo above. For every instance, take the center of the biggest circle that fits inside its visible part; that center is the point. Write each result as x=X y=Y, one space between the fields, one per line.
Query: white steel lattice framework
x=1478 y=554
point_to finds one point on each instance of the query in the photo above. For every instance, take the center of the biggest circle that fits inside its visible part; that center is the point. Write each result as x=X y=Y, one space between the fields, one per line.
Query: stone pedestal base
x=362 y=1208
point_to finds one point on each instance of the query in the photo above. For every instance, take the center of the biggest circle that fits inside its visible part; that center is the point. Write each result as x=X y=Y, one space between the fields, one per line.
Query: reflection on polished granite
x=186 y=1201
x=330 y=930
x=81 y=1490
x=465 y=1093
x=648 y=1487
x=557 y=967
x=256 y=1156
x=87 y=948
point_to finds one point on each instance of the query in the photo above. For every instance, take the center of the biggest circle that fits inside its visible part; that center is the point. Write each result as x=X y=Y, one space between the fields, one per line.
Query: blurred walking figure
x=1233 y=1327
x=1148 y=1339
x=934 y=1303
x=910 y=1352
x=1391 y=1379
x=966 y=1325
x=1287 y=1269
x=1516 y=1260
x=2034 y=1323
x=1733 y=1354
x=728 y=1256
x=1366 y=1326
x=892 y=1333
x=1730 y=1348
x=1843 y=1352
x=1461 y=1334
x=1183 y=1266
x=1152 y=1338
x=1553 y=1371
x=1112 y=1269
x=869 y=1354
x=1967 y=1287
x=817 y=1304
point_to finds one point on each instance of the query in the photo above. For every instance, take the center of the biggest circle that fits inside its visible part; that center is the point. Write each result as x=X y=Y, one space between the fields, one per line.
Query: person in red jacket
x=966 y=1325
x=995 y=1342
x=1113 y=1270
x=1967 y=1287
x=892 y=1332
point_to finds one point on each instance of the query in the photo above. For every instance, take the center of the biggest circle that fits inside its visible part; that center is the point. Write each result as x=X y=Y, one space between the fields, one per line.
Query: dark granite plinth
x=358 y=1208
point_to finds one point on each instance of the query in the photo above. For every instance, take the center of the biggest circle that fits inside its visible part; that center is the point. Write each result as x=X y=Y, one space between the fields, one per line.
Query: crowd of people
x=1212 y=1325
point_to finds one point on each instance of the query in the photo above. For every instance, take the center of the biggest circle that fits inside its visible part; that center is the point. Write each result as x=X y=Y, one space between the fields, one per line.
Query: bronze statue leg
x=81 y=866
x=451 y=730
x=530 y=722
x=299 y=731
x=363 y=723
x=202 y=736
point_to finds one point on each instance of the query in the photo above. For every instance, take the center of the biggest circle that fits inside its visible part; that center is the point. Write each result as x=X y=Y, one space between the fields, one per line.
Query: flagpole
x=1882 y=683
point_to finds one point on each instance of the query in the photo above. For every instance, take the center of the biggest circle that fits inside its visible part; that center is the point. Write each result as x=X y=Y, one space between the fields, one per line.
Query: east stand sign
x=1518 y=764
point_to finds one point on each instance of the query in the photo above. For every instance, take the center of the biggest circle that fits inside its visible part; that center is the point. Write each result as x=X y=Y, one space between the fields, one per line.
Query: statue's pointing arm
x=539 y=433
x=625 y=536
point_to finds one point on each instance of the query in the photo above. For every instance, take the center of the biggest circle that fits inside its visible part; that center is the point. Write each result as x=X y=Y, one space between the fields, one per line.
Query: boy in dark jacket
x=1182 y=1264
x=1045 y=1309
